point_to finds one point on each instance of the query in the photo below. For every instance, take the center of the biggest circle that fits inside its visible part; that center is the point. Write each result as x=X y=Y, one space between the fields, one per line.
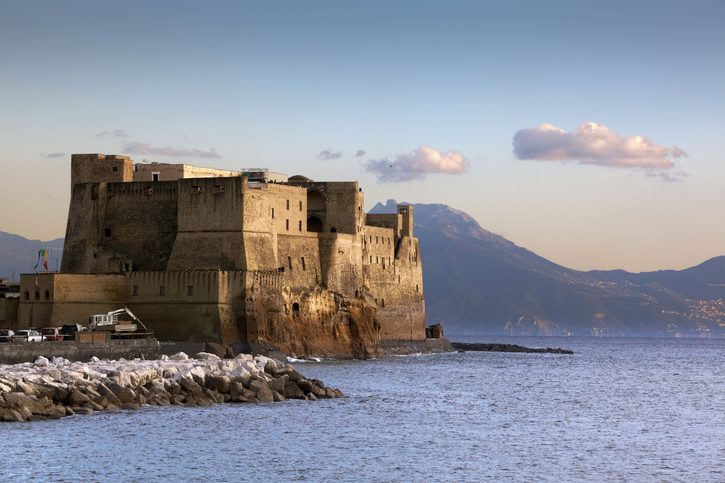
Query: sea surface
x=617 y=410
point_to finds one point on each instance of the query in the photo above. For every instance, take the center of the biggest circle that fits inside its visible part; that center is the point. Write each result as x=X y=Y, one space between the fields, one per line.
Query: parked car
x=6 y=335
x=52 y=334
x=69 y=331
x=27 y=335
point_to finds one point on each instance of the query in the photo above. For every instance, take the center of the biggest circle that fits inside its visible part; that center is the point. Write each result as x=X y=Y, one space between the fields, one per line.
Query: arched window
x=296 y=308
x=27 y=295
x=37 y=295
x=47 y=295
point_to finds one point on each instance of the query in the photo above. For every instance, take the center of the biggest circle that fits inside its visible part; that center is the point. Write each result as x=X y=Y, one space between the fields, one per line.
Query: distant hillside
x=478 y=282
x=19 y=255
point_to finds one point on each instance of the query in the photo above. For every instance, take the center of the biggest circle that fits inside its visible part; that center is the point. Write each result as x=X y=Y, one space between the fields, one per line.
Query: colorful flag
x=42 y=257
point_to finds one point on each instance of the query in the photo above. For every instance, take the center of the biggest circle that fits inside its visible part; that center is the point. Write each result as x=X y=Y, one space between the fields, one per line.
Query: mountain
x=479 y=282
x=19 y=255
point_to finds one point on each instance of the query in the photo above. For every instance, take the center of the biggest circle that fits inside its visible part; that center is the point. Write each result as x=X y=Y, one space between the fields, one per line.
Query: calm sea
x=619 y=409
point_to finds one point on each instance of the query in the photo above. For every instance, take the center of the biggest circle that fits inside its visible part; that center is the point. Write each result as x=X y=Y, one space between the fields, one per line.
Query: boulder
x=10 y=415
x=218 y=383
x=124 y=394
x=305 y=385
x=278 y=383
x=190 y=385
x=206 y=356
x=293 y=391
x=218 y=350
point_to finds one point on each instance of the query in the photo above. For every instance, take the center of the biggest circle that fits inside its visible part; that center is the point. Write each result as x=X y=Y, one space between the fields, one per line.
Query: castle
x=204 y=255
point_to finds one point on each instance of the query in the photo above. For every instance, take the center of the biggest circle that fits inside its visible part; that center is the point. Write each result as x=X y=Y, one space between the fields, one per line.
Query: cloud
x=360 y=152
x=417 y=164
x=667 y=175
x=54 y=155
x=593 y=143
x=144 y=148
x=118 y=133
x=329 y=155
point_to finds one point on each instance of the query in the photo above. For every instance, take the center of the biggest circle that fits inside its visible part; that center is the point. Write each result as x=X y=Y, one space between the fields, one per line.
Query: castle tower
x=406 y=216
x=100 y=168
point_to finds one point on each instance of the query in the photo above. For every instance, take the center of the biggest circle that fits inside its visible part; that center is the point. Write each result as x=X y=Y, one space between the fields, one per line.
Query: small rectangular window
x=288 y=204
x=289 y=263
x=299 y=225
x=115 y=169
x=300 y=205
x=286 y=225
x=155 y=175
x=135 y=290
x=162 y=290
x=272 y=213
x=107 y=232
x=302 y=260
x=189 y=290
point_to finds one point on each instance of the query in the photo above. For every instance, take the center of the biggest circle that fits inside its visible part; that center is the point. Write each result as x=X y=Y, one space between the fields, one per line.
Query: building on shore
x=245 y=256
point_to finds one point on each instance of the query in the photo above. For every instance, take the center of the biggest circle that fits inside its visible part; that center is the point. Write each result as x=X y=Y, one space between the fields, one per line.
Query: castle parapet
x=100 y=168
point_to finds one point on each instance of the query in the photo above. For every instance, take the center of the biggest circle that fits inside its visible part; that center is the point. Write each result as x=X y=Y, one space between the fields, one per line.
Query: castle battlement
x=299 y=257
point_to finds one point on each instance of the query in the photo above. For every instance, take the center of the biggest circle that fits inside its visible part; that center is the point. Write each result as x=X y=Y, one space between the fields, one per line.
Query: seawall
x=17 y=352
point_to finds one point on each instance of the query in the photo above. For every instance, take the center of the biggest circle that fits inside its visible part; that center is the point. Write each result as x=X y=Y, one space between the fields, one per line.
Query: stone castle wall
x=223 y=259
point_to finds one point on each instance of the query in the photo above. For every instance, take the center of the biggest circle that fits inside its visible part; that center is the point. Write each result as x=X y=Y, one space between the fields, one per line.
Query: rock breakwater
x=492 y=347
x=52 y=389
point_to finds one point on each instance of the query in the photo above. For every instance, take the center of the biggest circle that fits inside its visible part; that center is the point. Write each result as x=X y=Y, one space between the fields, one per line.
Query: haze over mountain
x=479 y=282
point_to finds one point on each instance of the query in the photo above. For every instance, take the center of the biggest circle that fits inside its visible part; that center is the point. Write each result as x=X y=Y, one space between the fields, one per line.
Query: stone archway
x=314 y=224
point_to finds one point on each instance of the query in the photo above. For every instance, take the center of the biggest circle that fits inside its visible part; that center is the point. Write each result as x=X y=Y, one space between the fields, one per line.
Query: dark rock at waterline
x=491 y=347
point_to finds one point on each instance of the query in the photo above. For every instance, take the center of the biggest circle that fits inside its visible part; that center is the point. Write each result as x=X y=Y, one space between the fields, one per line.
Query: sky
x=590 y=133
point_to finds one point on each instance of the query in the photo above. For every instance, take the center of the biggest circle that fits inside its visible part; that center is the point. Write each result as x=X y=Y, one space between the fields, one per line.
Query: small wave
x=304 y=359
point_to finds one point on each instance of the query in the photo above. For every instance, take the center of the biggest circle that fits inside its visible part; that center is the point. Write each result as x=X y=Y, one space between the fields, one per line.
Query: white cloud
x=329 y=155
x=593 y=143
x=417 y=164
x=145 y=148
x=118 y=133
x=360 y=152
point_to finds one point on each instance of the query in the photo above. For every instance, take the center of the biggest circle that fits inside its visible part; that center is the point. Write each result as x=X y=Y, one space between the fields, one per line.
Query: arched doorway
x=314 y=224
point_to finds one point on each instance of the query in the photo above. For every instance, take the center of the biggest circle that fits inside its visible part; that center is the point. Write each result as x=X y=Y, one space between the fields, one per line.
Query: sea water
x=618 y=409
